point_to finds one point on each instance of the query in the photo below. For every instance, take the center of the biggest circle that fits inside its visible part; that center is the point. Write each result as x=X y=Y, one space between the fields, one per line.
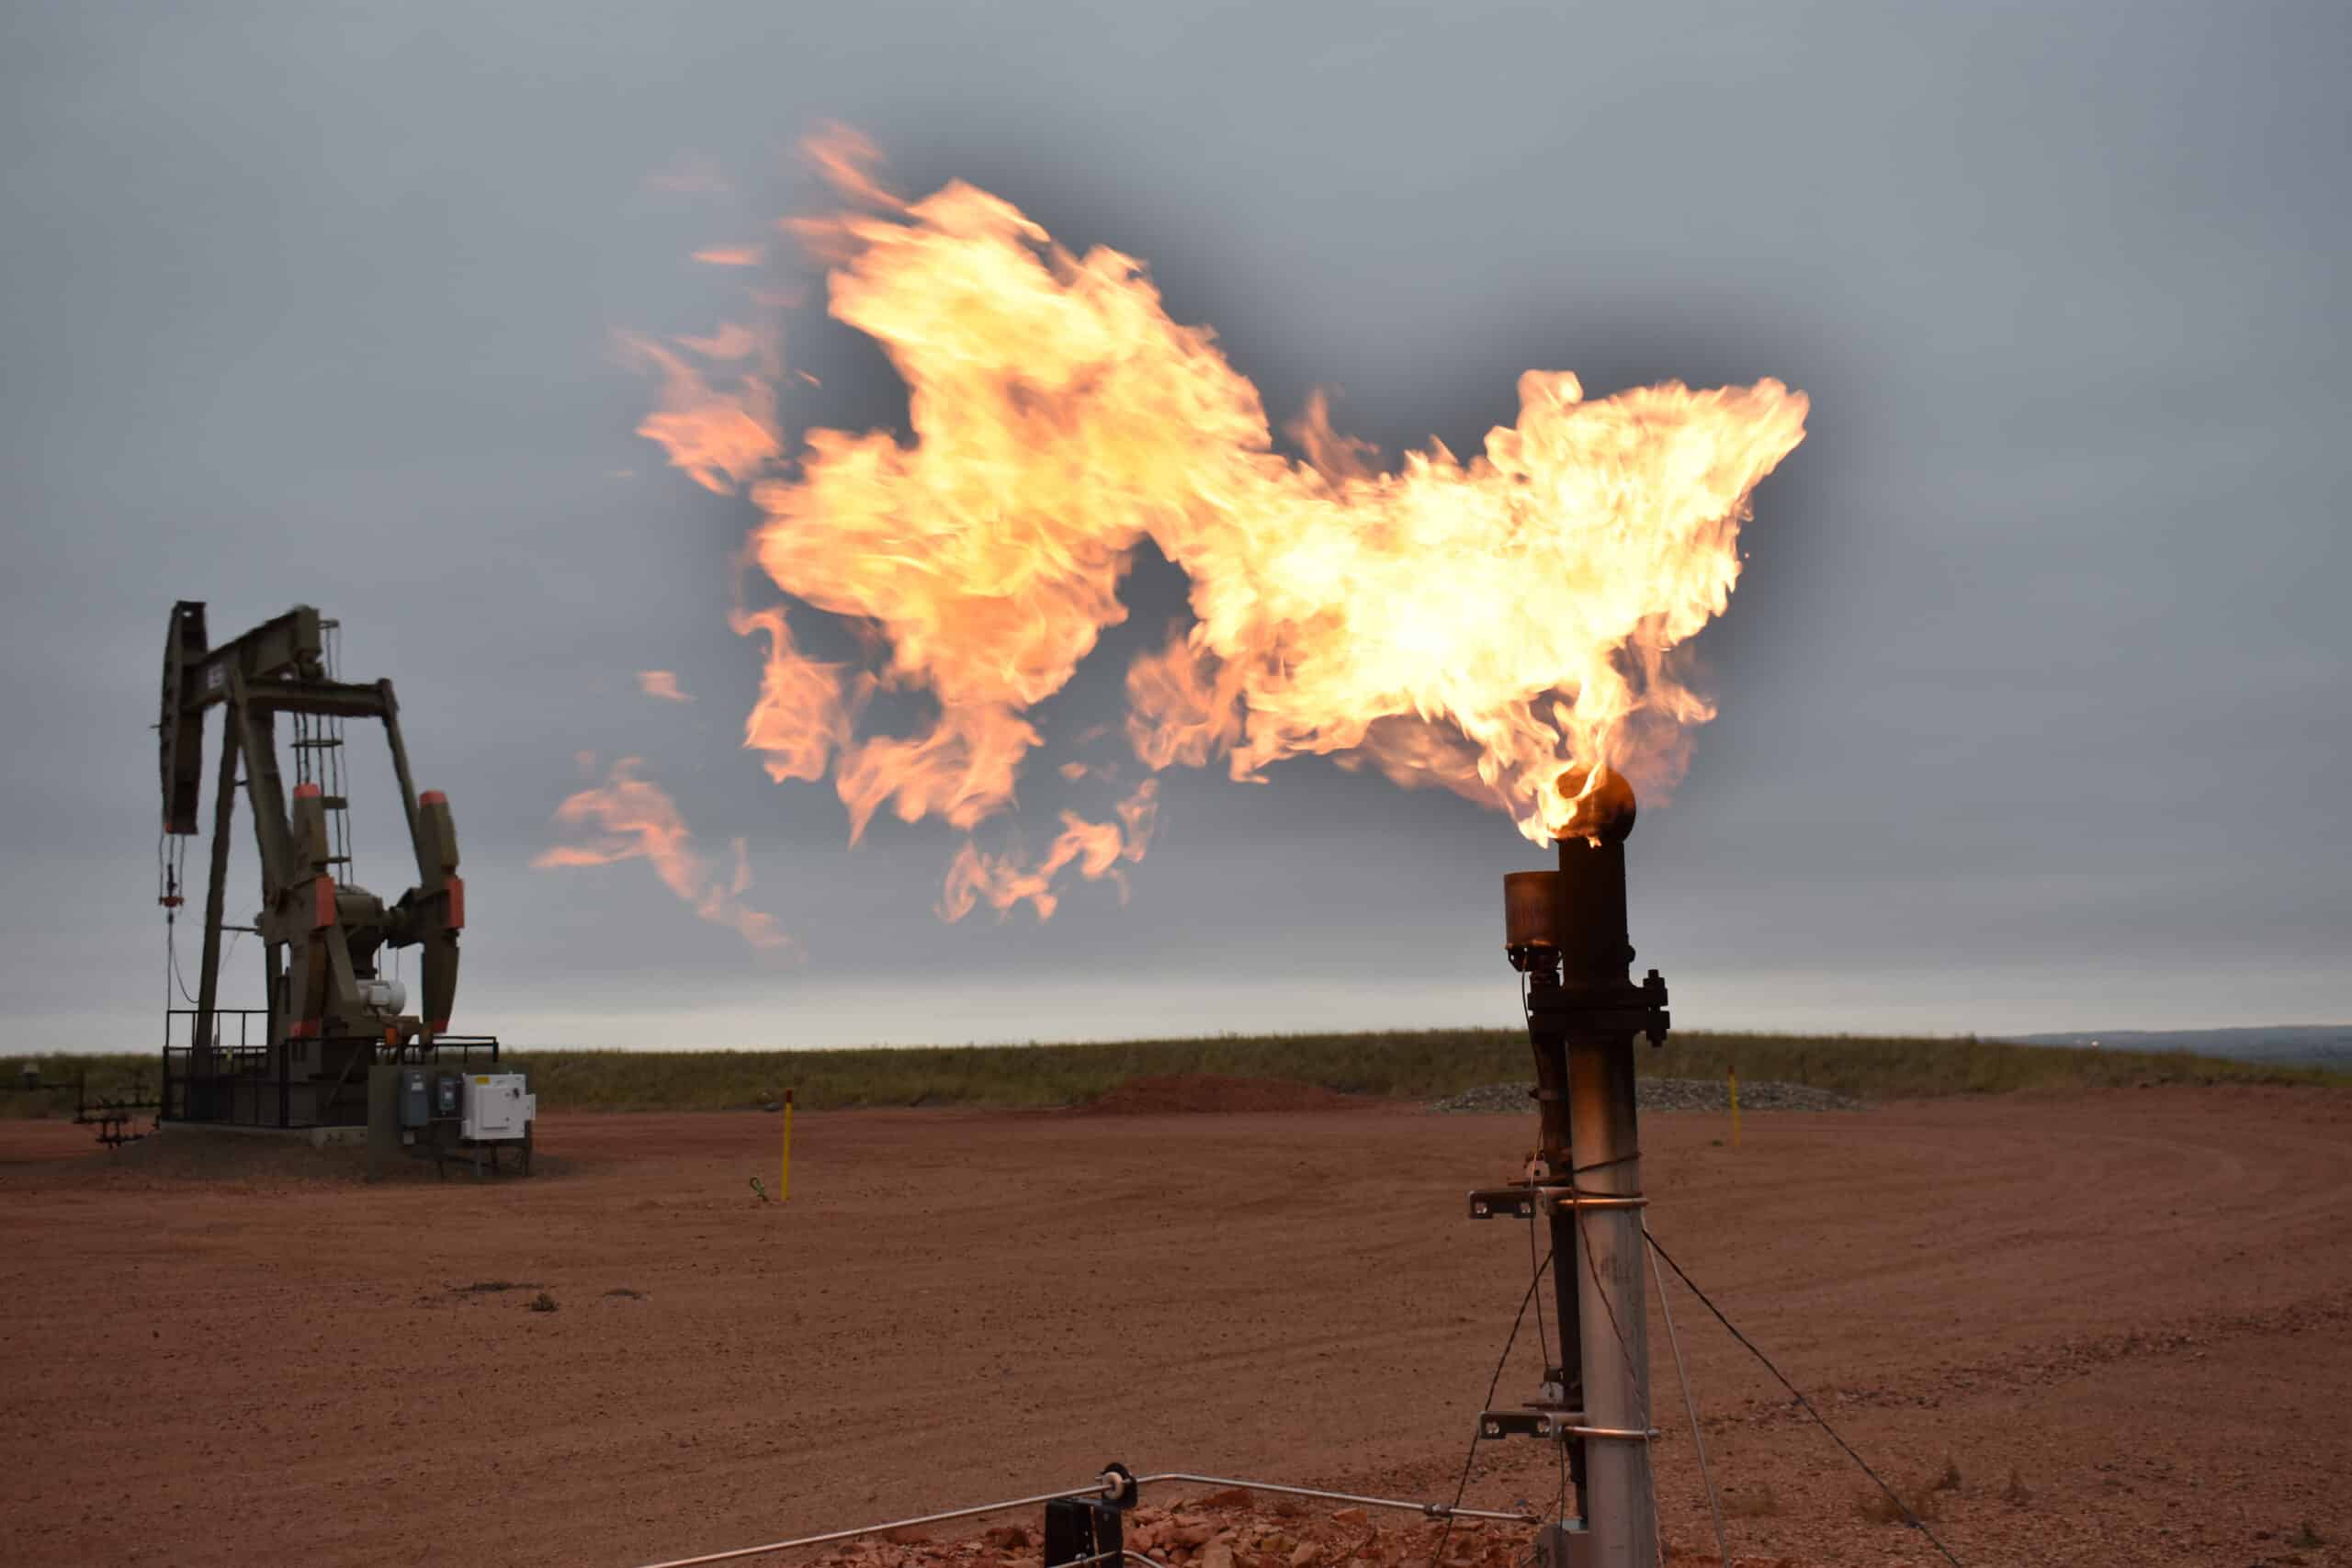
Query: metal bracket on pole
x=1545 y=1425
x=1555 y=1426
x=1519 y=1202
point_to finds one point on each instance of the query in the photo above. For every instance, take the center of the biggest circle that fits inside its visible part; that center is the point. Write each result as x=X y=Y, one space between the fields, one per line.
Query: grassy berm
x=1404 y=1064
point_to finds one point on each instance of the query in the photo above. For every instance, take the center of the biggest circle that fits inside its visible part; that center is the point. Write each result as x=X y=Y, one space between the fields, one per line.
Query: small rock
x=1346 y=1515
x=1307 y=1554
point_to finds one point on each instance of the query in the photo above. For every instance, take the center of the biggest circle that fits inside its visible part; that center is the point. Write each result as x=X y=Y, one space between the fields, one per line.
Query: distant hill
x=2296 y=1044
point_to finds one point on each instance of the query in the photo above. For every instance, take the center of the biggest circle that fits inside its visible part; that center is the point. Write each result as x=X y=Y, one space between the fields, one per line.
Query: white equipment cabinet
x=500 y=1108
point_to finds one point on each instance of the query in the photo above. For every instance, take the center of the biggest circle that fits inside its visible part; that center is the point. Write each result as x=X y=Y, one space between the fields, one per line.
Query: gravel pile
x=1665 y=1094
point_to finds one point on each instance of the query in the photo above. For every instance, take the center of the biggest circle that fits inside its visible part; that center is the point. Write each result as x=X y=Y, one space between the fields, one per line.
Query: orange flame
x=1482 y=625
x=799 y=720
x=633 y=818
x=731 y=341
x=846 y=158
x=720 y=439
x=1094 y=848
x=662 y=684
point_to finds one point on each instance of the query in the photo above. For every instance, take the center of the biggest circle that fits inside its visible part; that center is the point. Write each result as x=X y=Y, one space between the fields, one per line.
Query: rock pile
x=1666 y=1094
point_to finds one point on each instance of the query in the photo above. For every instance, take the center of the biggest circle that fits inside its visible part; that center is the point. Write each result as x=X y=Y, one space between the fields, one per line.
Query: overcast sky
x=2036 y=694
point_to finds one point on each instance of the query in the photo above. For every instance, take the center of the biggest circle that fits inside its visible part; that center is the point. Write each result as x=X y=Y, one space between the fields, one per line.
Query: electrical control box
x=415 y=1098
x=498 y=1107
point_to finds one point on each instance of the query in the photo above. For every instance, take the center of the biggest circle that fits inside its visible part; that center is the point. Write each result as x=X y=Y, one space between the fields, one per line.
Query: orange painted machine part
x=456 y=907
x=323 y=913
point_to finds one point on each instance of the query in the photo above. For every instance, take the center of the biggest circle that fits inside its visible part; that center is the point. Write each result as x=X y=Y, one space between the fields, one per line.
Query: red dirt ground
x=2135 y=1305
x=1211 y=1092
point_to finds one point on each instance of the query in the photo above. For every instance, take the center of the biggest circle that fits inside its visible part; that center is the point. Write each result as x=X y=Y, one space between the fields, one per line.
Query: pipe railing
x=1109 y=1484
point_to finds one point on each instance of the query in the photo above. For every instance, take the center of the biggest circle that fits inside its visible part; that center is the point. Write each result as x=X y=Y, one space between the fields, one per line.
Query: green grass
x=1404 y=1064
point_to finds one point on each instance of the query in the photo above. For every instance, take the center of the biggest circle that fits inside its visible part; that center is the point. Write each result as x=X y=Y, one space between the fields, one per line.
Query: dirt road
x=2125 y=1319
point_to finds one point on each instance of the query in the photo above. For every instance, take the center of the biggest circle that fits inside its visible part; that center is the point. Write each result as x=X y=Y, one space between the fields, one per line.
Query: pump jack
x=331 y=1013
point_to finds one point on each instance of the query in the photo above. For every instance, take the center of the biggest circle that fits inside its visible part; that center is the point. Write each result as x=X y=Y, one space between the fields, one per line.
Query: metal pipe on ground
x=1110 y=1484
x=1101 y=1488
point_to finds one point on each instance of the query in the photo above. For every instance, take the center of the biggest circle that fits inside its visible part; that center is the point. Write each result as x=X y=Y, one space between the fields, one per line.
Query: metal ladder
x=318 y=759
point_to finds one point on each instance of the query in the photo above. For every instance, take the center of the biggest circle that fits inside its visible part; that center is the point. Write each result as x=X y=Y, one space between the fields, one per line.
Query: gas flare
x=721 y=438
x=634 y=819
x=1483 y=625
x=1094 y=848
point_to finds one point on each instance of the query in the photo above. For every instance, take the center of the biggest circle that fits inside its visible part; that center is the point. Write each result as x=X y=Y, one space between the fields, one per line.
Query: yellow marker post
x=784 y=1180
x=1732 y=1074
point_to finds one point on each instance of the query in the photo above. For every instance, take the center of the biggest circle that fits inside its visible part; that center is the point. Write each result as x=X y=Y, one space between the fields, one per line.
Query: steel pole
x=1622 y=1518
x=1599 y=1011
